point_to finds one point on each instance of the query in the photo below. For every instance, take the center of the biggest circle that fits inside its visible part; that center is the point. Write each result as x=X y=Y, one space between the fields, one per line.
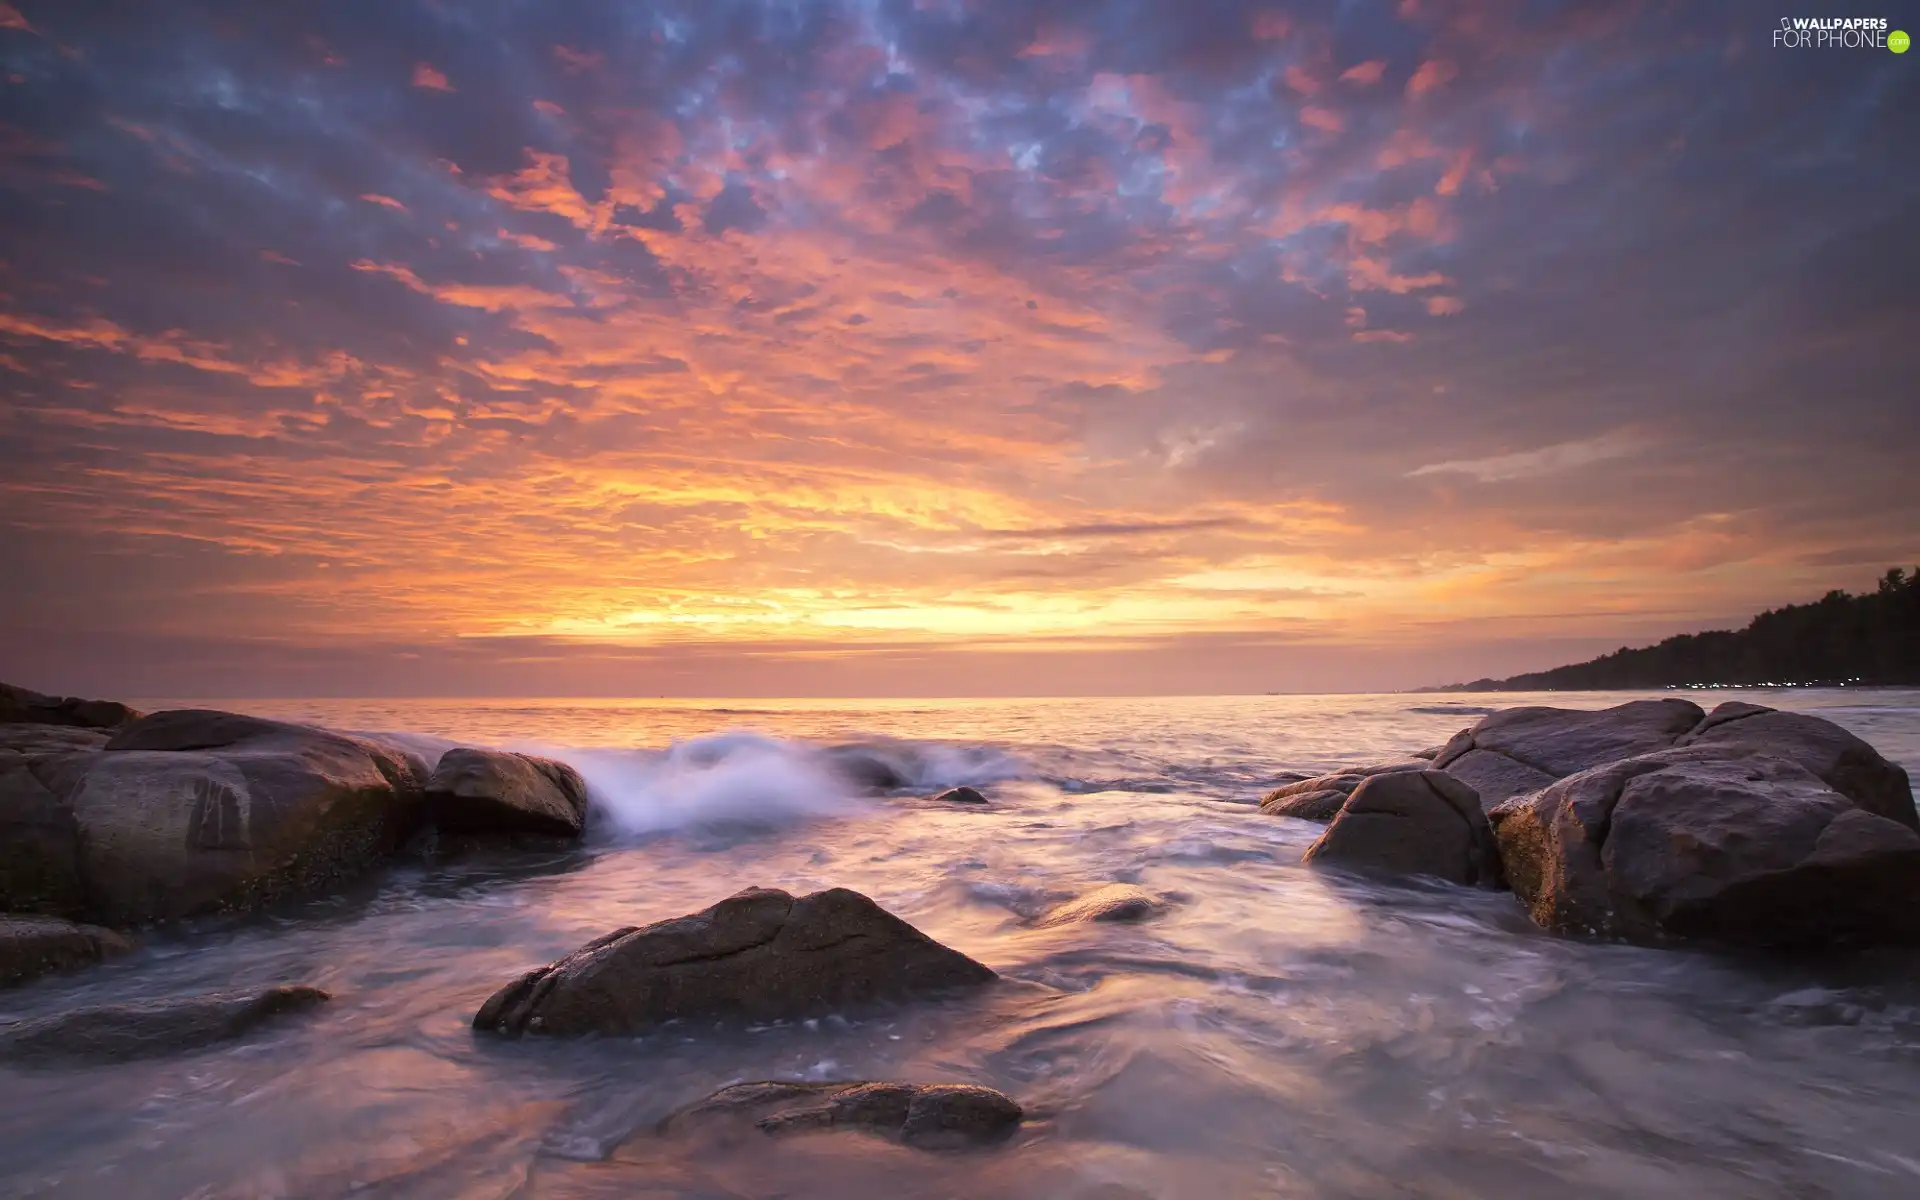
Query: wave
x=1453 y=710
x=745 y=778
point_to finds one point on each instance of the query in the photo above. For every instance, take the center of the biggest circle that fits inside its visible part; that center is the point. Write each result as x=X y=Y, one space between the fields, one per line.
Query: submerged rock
x=36 y=945
x=20 y=706
x=160 y=1027
x=1412 y=823
x=760 y=955
x=866 y=767
x=1716 y=841
x=495 y=791
x=961 y=795
x=1114 y=902
x=928 y=1116
x=1320 y=797
x=193 y=810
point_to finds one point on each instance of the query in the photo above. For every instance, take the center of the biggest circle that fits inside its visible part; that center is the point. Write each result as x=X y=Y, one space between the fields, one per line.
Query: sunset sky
x=935 y=347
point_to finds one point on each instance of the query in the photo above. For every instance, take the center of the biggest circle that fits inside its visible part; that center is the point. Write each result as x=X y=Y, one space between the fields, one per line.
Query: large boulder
x=1843 y=762
x=39 y=841
x=1716 y=841
x=34 y=945
x=493 y=791
x=151 y=1029
x=1520 y=751
x=23 y=740
x=1412 y=823
x=927 y=1116
x=23 y=707
x=1319 y=798
x=193 y=811
x=760 y=955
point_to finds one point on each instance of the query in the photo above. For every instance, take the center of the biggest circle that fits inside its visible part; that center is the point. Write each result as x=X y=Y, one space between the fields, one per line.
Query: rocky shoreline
x=1653 y=822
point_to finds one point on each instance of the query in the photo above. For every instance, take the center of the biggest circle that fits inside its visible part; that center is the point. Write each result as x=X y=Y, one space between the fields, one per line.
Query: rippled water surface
x=1282 y=1032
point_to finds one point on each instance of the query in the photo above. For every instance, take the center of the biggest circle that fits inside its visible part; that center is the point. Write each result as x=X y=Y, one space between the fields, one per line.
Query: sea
x=1280 y=1032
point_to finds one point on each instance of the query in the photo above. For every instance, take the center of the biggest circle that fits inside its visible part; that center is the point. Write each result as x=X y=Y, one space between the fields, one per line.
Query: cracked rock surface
x=759 y=955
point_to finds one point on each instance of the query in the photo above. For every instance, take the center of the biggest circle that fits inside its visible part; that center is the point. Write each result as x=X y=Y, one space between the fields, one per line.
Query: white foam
x=723 y=778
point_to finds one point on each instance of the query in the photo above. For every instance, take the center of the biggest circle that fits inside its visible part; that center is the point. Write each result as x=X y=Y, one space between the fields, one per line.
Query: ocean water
x=1281 y=1032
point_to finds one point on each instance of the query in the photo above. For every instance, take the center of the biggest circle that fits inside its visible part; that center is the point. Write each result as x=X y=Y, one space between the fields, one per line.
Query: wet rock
x=1495 y=778
x=1412 y=823
x=161 y=1027
x=760 y=955
x=1114 y=902
x=39 y=844
x=1842 y=761
x=866 y=767
x=1320 y=797
x=20 y=706
x=1517 y=751
x=1712 y=841
x=25 y=739
x=34 y=945
x=961 y=795
x=928 y=1116
x=193 y=811
x=493 y=791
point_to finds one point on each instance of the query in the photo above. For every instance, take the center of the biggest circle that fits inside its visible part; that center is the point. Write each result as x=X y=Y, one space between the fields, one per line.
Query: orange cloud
x=1444 y=306
x=10 y=18
x=383 y=201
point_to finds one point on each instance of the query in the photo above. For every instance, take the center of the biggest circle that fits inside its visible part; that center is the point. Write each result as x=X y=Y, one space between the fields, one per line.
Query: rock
x=1412 y=823
x=35 y=945
x=493 y=791
x=1319 y=798
x=865 y=767
x=1494 y=777
x=1843 y=762
x=1716 y=842
x=1520 y=750
x=1430 y=753
x=39 y=843
x=25 y=739
x=928 y=1116
x=1114 y=902
x=760 y=955
x=161 y=1027
x=193 y=811
x=20 y=706
x=961 y=795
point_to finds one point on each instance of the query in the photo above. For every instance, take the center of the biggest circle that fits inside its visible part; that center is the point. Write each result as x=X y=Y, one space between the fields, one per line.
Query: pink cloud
x=1271 y=26
x=426 y=76
x=1364 y=74
x=383 y=201
x=1322 y=118
x=1433 y=74
x=1382 y=335
x=1444 y=306
x=1301 y=80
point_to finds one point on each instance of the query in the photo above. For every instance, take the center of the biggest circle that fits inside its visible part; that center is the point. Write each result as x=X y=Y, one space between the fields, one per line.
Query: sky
x=936 y=347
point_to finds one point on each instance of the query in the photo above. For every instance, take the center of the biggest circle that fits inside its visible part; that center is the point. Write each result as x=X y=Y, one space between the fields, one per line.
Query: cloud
x=1547 y=460
x=426 y=75
x=863 y=325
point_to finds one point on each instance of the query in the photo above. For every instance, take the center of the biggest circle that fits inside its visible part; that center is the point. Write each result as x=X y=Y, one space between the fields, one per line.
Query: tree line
x=1868 y=639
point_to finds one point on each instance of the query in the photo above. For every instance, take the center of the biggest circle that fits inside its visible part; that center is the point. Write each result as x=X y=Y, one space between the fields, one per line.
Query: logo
x=1839 y=33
